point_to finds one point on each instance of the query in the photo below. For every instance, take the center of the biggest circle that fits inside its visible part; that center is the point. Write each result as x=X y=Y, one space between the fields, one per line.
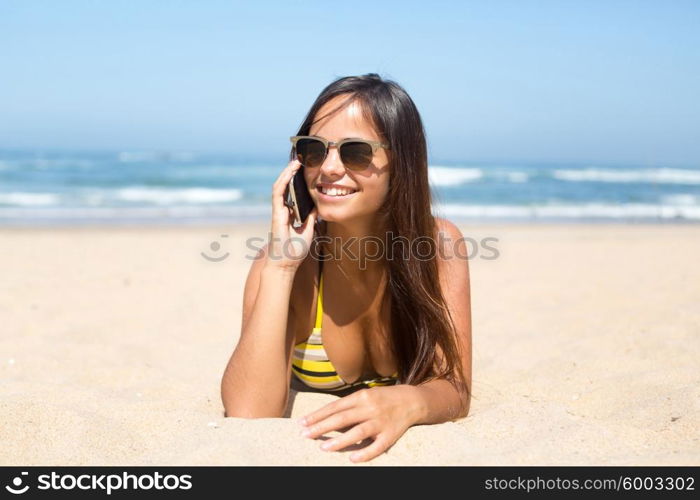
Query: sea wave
x=51 y=163
x=243 y=172
x=26 y=199
x=680 y=199
x=590 y=211
x=126 y=213
x=448 y=176
x=154 y=156
x=573 y=211
x=517 y=176
x=653 y=175
x=162 y=196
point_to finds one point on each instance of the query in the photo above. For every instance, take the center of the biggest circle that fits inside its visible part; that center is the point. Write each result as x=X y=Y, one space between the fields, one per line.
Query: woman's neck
x=356 y=247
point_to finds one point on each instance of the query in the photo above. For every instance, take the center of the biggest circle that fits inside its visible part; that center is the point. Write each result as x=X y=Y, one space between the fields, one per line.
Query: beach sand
x=586 y=341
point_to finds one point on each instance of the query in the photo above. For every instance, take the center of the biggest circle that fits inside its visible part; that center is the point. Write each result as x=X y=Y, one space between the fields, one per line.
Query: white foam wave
x=680 y=199
x=586 y=210
x=509 y=175
x=243 y=172
x=49 y=163
x=28 y=199
x=517 y=177
x=448 y=176
x=150 y=156
x=162 y=196
x=569 y=212
x=654 y=175
x=117 y=213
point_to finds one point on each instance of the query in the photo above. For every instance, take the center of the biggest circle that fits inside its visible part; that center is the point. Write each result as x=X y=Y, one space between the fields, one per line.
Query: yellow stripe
x=319 y=303
x=313 y=366
x=372 y=384
x=309 y=378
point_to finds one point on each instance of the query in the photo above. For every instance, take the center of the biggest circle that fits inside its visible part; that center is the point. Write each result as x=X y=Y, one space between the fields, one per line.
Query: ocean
x=127 y=187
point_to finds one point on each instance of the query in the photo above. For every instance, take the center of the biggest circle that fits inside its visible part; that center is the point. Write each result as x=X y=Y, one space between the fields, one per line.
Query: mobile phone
x=297 y=197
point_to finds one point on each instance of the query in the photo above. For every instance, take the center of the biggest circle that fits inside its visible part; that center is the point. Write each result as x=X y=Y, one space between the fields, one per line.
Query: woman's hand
x=381 y=413
x=289 y=245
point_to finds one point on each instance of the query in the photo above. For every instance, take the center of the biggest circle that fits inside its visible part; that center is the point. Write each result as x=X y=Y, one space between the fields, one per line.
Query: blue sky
x=598 y=81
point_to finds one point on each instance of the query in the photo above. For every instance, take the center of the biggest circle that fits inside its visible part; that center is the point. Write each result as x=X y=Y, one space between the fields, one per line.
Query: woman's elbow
x=241 y=411
x=237 y=408
x=238 y=412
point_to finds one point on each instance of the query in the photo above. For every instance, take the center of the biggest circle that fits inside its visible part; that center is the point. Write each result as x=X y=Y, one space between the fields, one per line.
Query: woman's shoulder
x=447 y=228
x=452 y=251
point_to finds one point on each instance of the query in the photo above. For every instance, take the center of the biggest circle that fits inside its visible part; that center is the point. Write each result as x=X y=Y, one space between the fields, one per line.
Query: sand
x=113 y=342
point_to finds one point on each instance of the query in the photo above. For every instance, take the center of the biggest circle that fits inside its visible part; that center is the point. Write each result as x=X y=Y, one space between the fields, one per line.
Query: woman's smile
x=334 y=194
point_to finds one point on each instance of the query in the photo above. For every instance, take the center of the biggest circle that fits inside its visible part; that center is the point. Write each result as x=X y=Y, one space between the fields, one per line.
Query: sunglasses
x=356 y=154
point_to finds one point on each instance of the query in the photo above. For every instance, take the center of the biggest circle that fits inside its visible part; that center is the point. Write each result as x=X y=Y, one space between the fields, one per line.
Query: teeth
x=336 y=191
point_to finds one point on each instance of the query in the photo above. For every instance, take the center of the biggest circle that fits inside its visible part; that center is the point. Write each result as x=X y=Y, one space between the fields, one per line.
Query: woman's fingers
x=280 y=212
x=281 y=184
x=380 y=444
x=308 y=227
x=292 y=166
x=355 y=435
x=335 y=422
x=328 y=410
x=285 y=176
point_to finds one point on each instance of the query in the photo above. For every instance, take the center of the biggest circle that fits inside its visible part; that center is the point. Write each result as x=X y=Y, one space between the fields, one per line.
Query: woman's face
x=370 y=185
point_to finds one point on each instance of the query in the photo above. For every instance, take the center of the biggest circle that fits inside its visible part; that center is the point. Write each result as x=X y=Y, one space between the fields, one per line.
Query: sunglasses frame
x=328 y=144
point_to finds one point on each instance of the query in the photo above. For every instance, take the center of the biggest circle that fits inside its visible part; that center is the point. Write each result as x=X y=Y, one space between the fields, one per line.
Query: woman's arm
x=439 y=400
x=256 y=380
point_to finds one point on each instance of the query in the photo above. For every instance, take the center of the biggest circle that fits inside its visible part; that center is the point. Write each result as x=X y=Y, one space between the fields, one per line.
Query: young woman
x=369 y=299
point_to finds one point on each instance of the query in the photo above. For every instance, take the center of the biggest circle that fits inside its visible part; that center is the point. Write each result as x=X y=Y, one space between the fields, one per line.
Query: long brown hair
x=420 y=319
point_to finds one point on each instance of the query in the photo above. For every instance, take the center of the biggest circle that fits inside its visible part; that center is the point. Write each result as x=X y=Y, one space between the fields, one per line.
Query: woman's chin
x=335 y=210
x=329 y=216
x=334 y=214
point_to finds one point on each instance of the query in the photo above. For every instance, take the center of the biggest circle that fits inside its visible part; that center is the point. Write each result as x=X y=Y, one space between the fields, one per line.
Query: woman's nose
x=333 y=164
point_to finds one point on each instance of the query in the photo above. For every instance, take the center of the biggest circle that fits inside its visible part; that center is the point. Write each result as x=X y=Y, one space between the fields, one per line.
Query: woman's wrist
x=278 y=277
x=417 y=404
x=282 y=271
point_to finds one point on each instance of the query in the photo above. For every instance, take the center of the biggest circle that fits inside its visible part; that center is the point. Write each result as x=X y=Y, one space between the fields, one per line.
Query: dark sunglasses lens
x=311 y=152
x=356 y=155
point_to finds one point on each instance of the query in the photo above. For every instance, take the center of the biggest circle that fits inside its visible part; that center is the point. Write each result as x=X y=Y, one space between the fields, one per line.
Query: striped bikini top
x=310 y=362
